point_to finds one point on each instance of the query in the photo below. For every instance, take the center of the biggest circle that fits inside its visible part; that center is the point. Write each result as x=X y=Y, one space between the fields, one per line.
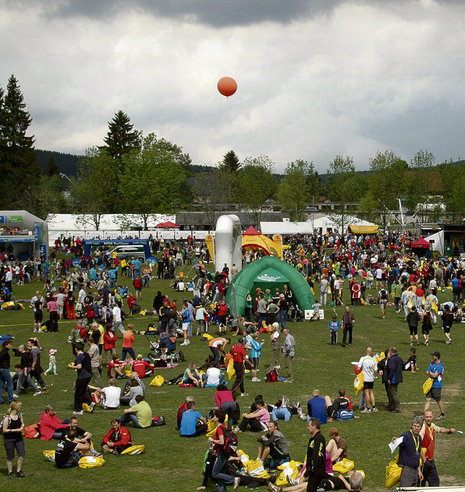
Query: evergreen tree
x=20 y=172
x=51 y=168
x=230 y=163
x=121 y=137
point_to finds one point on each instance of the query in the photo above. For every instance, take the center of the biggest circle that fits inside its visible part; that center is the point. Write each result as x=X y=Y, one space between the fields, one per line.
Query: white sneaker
x=184 y=343
x=374 y=409
x=255 y=380
x=37 y=393
x=15 y=396
x=244 y=394
x=367 y=410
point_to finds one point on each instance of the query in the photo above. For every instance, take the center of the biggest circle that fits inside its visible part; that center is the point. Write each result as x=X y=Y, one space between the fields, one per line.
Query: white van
x=128 y=251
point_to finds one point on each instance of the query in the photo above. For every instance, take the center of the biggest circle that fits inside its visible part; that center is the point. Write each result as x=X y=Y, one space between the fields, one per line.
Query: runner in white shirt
x=368 y=366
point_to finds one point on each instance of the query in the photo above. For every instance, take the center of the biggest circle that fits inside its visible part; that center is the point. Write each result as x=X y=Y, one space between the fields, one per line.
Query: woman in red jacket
x=109 y=342
x=50 y=425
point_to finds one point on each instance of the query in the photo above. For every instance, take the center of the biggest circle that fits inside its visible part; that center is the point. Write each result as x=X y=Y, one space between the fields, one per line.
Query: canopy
x=251 y=231
x=421 y=243
x=260 y=241
x=364 y=229
x=437 y=242
x=167 y=225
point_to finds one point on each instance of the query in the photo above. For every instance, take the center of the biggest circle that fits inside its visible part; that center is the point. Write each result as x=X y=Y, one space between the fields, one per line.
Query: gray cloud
x=218 y=13
x=349 y=77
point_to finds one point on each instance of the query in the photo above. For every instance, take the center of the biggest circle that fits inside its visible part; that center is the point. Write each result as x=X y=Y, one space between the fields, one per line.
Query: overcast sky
x=316 y=78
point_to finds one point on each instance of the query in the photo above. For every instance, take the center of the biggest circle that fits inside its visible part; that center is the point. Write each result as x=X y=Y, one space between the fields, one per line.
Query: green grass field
x=175 y=464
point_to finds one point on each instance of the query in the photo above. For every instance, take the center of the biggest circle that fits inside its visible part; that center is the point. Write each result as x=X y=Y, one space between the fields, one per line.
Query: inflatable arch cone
x=268 y=273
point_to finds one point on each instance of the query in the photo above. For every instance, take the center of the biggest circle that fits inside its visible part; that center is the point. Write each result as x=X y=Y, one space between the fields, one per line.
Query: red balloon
x=227 y=86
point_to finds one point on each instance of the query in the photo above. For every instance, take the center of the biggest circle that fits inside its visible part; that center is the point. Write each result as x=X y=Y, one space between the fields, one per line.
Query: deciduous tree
x=299 y=185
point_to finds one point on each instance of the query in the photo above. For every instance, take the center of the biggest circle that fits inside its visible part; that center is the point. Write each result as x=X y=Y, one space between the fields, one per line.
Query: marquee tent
x=421 y=243
x=255 y=239
x=437 y=242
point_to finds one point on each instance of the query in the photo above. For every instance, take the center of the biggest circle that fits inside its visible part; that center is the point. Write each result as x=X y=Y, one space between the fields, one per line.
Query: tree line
x=133 y=173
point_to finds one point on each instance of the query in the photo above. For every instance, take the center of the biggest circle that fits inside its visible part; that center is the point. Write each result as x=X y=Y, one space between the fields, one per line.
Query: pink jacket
x=48 y=425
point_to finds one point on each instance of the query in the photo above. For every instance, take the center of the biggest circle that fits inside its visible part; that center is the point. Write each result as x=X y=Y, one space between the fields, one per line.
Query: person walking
x=316 y=455
x=288 y=349
x=409 y=455
x=13 y=426
x=392 y=376
x=82 y=365
x=368 y=366
x=436 y=372
x=347 y=326
x=5 y=375
x=428 y=435
x=238 y=354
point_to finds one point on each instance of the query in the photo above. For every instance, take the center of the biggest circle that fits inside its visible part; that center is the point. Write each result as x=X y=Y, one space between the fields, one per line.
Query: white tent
x=108 y=222
x=437 y=242
x=286 y=227
x=334 y=223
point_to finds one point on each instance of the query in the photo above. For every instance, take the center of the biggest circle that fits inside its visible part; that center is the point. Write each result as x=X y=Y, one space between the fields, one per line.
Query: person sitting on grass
x=116 y=367
x=342 y=402
x=50 y=426
x=70 y=450
x=257 y=421
x=142 y=367
x=273 y=444
x=140 y=414
x=328 y=482
x=192 y=422
x=109 y=396
x=133 y=390
x=192 y=376
x=337 y=446
x=117 y=439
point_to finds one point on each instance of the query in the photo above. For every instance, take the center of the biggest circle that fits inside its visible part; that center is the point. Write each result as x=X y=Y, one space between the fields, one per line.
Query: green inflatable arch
x=269 y=273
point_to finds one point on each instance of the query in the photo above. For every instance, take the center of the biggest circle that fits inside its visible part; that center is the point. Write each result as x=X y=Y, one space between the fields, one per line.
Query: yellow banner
x=210 y=246
x=278 y=244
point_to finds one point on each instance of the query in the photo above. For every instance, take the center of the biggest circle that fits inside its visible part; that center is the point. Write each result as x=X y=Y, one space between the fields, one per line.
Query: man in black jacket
x=392 y=376
x=316 y=461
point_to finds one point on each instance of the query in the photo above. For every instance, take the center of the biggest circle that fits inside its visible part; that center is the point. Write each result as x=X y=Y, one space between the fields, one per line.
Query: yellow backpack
x=91 y=462
x=158 y=381
x=135 y=449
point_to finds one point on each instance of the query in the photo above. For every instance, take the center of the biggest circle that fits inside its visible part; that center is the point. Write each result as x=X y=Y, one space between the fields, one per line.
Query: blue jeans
x=281 y=414
x=5 y=377
x=221 y=479
x=127 y=351
x=22 y=377
x=130 y=417
x=282 y=318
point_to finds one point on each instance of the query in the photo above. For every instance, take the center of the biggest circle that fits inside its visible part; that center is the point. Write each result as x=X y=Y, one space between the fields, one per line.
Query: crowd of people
x=97 y=296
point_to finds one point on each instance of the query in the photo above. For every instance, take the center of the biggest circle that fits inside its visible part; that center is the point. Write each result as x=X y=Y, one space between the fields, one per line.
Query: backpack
x=345 y=415
x=231 y=442
x=157 y=421
x=271 y=375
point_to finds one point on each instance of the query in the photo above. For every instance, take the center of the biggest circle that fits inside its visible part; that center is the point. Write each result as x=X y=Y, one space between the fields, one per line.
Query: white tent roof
x=286 y=227
x=333 y=222
x=438 y=242
x=108 y=222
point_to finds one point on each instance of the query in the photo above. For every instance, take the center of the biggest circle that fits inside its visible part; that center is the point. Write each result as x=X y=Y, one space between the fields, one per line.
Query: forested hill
x=68 y=164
